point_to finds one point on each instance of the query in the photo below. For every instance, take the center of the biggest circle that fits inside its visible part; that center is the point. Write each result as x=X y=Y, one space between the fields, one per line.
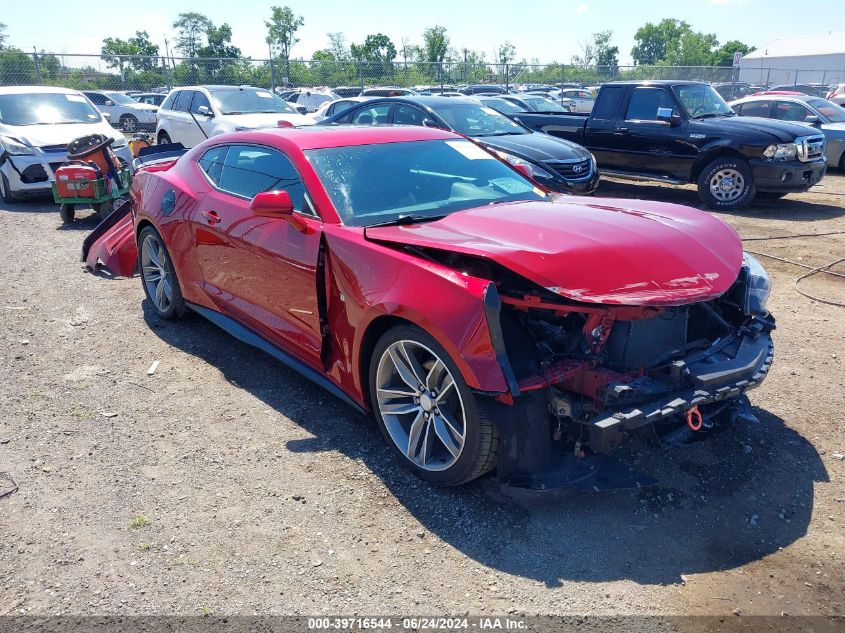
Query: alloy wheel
x=727 y=185
x=155 y=269
x=420 y=405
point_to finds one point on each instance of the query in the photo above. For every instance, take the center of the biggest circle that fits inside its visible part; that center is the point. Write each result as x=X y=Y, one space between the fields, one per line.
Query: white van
x=36 y=125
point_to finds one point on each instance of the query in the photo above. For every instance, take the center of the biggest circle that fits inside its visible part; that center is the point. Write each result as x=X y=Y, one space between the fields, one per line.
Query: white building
x=794 y=60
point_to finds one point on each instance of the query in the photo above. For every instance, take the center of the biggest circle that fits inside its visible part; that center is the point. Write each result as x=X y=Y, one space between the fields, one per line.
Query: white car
x=330 y=108
x=192 y=114
x=583 y=99
x=837 y=95
x=36 y=125
x=311 y=100
x=124 y=112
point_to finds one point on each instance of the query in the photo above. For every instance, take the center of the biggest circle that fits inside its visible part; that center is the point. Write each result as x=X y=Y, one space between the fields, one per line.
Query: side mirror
x=812 y=119
x=276 y=204
x=525 y=170
x=430 y=123
x=108 y=102
x=668 y=115
x=205 y=111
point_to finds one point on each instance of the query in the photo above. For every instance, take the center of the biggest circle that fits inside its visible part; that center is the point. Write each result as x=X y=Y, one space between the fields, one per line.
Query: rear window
x=183 y=100
x=607 y=103
x=168 y=102
x=755 y=108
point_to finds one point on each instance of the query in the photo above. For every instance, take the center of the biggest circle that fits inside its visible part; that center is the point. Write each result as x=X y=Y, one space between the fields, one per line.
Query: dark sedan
x=557 y=164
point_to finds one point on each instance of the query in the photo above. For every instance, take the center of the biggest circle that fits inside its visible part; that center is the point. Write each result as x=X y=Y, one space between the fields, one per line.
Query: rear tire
x=726 y=184
x=158 y=276
x=164 y=138
x=67 y=213
x=454 y=441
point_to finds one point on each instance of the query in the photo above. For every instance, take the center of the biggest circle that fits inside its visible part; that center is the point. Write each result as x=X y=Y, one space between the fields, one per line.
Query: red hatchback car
x=483 y=321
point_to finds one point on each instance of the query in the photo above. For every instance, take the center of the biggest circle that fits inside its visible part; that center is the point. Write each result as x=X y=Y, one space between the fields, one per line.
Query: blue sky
x=544 y=29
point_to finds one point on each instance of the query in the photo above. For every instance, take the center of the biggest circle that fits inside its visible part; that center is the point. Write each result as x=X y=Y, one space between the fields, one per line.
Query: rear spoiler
x=155 y=153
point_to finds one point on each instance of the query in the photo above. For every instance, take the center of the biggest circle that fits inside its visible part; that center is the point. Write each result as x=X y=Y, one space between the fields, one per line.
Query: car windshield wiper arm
x=409 y=219
x=499 y=134
x=710 y=115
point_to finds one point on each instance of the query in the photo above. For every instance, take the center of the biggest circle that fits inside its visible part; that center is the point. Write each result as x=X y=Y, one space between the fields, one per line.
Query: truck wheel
x=726 y=184
x=426 y=411
x=66 y=213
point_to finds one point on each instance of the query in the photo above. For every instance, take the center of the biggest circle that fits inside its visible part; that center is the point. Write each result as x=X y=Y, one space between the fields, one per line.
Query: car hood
x=535 y=146
x=41 y=135
x=264 y=120
x=778 y=131
x=596 y=251
x=838 y=128
x=141 y=107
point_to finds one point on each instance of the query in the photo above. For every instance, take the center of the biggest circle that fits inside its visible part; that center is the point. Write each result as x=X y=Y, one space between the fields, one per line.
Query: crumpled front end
x=112 y=244
x=588 y=375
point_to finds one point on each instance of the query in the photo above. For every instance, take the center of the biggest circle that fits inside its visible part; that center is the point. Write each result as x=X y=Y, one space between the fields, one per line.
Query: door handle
x=211 y=217
x=621 y=129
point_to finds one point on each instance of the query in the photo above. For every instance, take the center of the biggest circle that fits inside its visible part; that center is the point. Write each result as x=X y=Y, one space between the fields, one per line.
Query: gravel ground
x=226 y=484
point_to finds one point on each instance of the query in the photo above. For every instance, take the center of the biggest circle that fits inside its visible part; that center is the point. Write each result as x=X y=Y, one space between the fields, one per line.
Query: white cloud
x=581 y=9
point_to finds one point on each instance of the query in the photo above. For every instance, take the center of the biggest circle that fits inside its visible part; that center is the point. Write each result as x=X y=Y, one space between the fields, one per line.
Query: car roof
x=656 y=82
x=776 y=97
x=320 y=137
x=13 y=90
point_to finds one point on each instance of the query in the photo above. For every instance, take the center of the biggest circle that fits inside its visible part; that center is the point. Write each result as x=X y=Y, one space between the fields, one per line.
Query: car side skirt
x=246 y=335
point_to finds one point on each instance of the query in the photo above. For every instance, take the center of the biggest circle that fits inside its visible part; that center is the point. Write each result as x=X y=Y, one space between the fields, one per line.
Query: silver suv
x=124 y=112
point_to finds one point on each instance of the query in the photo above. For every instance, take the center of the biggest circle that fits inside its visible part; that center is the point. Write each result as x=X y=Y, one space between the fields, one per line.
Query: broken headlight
x=781 y=152
x=758 y=287
x=15 y=148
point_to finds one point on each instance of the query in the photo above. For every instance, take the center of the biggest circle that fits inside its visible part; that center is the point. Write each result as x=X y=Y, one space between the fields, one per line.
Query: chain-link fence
x=159 y=74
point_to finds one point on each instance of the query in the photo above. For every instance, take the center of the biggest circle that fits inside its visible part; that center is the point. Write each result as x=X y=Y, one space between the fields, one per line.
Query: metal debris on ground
x=13 y=484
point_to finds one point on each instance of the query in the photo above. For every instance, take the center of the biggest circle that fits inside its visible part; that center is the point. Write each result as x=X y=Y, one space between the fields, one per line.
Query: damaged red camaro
x=485 y=323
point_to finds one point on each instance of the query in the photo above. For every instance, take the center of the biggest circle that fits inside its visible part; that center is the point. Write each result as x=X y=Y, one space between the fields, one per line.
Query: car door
x=261 y=271
x=183 y=125
x=648 y=145
x=199 y=125
x=601 y=136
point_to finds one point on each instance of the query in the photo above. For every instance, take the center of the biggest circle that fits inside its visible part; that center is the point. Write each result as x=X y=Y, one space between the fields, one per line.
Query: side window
x=199 y=100
x=183 y=100
x=607 y=103
x=756 y=108
x=789 y=111
x=645 y=102
x=250 y=169
x=212 y=162
x=96 y=98
x=170 y=100
x=375 y=115
x=408 y=115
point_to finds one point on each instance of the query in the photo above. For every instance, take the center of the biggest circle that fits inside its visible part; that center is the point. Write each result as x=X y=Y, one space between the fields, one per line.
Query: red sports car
x=485 y=322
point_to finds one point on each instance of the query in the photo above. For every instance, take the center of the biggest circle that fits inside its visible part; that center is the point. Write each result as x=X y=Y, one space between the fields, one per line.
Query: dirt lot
x=226 y=484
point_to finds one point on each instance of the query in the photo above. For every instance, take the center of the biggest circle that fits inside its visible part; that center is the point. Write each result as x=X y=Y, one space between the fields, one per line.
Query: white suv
x=124 y=112
x=36 y=125
x=192 y=114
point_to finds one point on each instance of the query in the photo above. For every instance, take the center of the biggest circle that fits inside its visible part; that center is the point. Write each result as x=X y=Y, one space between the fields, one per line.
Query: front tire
x=158 y=276
x=129 y=123
x=726 y=184
x=6 y=192
x=426 y=411
x=67 y=213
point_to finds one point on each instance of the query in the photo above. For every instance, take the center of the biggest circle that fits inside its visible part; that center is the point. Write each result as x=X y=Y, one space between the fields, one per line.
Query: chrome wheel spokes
x=727 y=185
x=421 y=406
x=156 y=273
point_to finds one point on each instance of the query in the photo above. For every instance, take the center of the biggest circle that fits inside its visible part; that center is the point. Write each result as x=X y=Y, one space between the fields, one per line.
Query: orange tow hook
x=694 y=420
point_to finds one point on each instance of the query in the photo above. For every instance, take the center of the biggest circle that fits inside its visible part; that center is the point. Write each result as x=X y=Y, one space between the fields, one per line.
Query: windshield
x=542 y=104
x=829 y=110
x=701 y=101
x=475 y=120
x=119 y=97
x=385 y=183
x=46 y=109
x=502 y=105
x=250 y=101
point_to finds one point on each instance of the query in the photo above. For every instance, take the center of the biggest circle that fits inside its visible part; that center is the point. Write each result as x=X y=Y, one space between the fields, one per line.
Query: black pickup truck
x=683 y=131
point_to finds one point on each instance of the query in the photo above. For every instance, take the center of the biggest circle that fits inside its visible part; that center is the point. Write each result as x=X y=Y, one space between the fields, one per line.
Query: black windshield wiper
x=711 y=115
x=408 y=219
x=499 y=134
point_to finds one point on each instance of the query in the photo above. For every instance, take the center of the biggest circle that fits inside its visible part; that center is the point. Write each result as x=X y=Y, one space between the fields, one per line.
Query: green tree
x=653 y=40
x=281 y=32
x=691 y=49
x=435 y=44
x=16 y=67
x=338 y=47
x=724 y=56
x=505 y=53
x=192 y=28
x=598 y=51
x=219 y=53
x=3 y=36
x=138 y=45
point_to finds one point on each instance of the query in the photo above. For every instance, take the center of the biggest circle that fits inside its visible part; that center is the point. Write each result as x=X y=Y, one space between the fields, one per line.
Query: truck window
x=607 y=102
x=646 y=101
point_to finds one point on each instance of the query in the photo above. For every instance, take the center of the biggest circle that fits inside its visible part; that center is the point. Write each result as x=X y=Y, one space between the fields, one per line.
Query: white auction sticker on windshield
x=489 y=110
x=512 y=185
x=77 y=98
x=469 y=150
x=264 y=95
